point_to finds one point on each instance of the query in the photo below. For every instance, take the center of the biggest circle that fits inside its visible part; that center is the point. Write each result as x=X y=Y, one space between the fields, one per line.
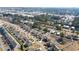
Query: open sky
x=39 y=3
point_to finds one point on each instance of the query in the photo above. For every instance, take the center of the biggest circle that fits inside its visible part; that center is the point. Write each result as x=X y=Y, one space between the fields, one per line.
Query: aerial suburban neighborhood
x=39 y=29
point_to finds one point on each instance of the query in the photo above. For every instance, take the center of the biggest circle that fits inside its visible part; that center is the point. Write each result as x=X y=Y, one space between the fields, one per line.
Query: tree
x=45 y=30
x=35 y=25
x=26 y=45
x=22 y=47
x=45 y=39
x=60 y=40
x=76 y=21
x=42 y=18
x=58 y=27
x=62 y=34
x=77 y=32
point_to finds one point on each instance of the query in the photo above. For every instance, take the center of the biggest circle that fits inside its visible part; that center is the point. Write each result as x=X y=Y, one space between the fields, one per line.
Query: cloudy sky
x=39 y=3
